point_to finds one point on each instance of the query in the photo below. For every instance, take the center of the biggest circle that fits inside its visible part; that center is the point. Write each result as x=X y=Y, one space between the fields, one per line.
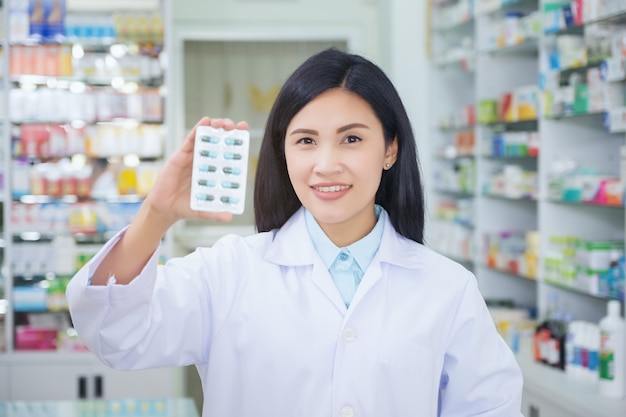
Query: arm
x=482 y=374
x=166 y=203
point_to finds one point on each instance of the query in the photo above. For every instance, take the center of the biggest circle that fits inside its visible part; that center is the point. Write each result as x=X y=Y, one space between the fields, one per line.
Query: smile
x=332 y=189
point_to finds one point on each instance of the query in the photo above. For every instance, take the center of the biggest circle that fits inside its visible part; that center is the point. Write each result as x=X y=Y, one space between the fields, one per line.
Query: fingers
x=228 y=124
x=242 y=126
x=223 y=123
x=217 y=216
x=187 y=144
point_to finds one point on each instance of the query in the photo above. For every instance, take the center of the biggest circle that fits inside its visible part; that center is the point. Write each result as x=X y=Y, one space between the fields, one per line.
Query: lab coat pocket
x=409 y=357
x=409 y=371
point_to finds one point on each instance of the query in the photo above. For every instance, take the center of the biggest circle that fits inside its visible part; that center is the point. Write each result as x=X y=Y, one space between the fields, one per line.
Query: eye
x=305 y=141
x=352 y=139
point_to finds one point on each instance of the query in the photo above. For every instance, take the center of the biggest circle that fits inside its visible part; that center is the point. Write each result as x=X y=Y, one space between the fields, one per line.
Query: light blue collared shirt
x=346 y=265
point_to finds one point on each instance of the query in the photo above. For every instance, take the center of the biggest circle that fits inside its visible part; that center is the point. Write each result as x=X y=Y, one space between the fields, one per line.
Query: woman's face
x=336 y=153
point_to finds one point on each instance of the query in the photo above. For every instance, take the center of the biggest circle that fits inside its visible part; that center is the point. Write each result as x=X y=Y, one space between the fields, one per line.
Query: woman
x=335 y=307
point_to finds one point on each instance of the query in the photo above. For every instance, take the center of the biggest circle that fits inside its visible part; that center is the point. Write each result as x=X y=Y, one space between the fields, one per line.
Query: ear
x=391 y=153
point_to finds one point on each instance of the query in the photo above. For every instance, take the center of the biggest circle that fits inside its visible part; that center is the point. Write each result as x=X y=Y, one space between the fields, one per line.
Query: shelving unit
x=487 y=185
x=5 y=311
x=84 y=135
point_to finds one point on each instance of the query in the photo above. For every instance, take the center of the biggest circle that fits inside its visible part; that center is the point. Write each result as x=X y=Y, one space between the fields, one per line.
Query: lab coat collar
x=292 y=246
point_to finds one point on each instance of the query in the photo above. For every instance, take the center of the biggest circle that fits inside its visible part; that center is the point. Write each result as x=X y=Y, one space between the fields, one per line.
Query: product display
x=82 y=118
x=539 y=87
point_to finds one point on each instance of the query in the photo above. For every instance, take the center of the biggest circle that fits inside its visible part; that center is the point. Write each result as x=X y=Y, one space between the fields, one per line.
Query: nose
x=327 y=160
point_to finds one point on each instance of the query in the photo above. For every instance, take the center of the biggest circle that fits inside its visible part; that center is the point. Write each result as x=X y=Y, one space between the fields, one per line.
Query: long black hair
x=400 y=191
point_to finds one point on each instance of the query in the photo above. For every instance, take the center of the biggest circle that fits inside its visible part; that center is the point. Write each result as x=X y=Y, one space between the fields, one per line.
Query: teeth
x=332 y=189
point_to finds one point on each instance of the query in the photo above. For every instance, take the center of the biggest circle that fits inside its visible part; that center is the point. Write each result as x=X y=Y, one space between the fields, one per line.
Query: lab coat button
x=347 y=412
x=349 y=335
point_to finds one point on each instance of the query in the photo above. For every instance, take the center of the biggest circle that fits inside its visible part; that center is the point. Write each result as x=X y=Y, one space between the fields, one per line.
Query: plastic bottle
x=593 y=358
x=612 y=350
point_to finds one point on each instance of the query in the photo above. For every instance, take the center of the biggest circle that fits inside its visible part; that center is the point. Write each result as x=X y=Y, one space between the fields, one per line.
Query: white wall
x=267 y=18
x=404 y=33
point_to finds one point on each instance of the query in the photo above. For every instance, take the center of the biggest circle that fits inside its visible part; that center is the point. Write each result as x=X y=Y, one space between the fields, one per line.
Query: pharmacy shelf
x=580 y=137
x=54 y=372
x=574 y=398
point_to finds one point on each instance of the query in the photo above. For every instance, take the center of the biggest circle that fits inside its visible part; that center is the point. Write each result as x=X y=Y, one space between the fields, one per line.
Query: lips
x=331 y=188
x=328 y=192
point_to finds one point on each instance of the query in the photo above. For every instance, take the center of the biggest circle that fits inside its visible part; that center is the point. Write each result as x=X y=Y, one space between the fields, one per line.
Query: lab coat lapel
x=292 y=247
x=370 y=278
x=394 y=250
x=322 y=278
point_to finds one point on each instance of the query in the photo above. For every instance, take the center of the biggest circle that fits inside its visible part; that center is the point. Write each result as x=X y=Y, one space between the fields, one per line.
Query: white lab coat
x=263 y=322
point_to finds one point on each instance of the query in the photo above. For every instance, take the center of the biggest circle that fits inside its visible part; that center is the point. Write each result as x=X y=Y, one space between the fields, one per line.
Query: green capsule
x=207 y=168
x=235 y=156
x=208 y=154
x=229 y=184
x=229 y=200
x=210 y=139
x=233 y=142
x=204 y=197
x=231 y=171
x=206 y=183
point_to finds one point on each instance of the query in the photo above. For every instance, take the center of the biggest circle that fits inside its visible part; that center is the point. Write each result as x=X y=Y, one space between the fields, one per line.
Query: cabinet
x=84 y=128
x=4 y=382
x=87 y=380
x=526 y=179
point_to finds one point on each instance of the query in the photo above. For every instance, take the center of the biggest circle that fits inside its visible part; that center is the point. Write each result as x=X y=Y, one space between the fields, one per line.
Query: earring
x=387 y=165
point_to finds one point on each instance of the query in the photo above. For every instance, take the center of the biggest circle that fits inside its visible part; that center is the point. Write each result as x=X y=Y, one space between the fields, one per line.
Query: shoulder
x=406 y=253
x=239 y=245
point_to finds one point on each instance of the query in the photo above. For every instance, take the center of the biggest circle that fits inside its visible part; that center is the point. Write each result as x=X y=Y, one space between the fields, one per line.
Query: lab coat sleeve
x=482 y=374
x=161 y=318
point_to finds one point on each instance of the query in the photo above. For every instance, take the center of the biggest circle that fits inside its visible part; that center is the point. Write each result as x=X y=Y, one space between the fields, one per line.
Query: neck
x=345 y=234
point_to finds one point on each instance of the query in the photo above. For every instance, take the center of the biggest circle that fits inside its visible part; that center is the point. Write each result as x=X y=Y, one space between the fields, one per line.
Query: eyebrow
x=341 y=129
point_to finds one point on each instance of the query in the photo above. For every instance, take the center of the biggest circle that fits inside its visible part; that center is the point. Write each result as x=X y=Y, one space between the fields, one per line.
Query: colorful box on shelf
x=35 y=338
x=595 y=188
x=554 y=15
x=487 y=111
x=614 y=68
x=513 y=144
x=615 y=120
x=40 y=20
x=48 y=60
x=612 y=283
x=30 y=298
x=46 y=18
x=515 y=252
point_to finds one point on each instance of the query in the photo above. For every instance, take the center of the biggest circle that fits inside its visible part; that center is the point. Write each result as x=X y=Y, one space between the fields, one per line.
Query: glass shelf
x=576 y=290
x=177 y=407
x=65 y=82
x=464 y=24
x=617 y=18
x=454 y=129
x=510 y=158
x=526 y=47
x=510 y=273
x=455 y=193
x=503 y=197
x=584 y=204
x=517 y=125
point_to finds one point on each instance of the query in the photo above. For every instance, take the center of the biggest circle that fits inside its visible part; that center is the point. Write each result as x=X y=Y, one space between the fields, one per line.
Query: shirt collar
x=363 y=249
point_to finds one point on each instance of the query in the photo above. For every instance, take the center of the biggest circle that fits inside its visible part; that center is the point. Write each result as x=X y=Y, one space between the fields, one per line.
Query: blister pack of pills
x=220 y=170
